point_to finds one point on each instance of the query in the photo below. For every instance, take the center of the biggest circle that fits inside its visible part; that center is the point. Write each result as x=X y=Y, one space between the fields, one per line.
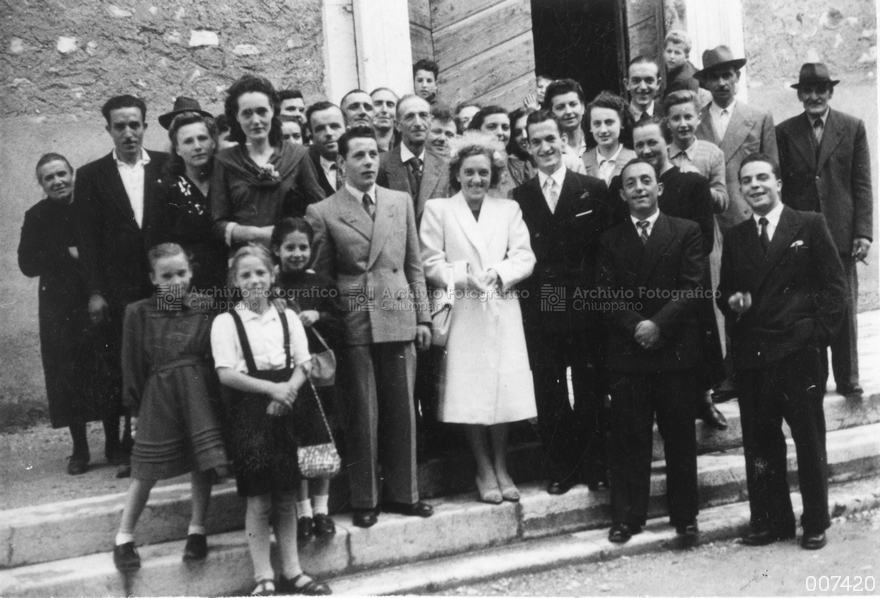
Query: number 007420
x=832 y=583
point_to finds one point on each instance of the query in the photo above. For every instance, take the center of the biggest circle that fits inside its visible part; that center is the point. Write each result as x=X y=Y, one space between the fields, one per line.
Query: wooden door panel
x=475 y=35
x=491 y=69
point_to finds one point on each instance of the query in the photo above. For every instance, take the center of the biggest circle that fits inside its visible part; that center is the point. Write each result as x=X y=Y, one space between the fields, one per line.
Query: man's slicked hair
x=123 y=101
x=320 y=107
x=562 y=87
x=761 y=157
x=356 y=132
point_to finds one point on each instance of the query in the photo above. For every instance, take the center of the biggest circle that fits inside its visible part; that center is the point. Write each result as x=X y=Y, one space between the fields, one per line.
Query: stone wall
x=68 y=57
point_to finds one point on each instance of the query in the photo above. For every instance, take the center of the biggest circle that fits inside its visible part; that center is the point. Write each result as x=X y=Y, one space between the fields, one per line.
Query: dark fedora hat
x=719 y=58
x=182 y=104
x=814 y=73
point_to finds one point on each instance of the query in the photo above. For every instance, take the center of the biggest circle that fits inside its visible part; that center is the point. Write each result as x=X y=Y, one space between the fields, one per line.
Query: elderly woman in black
x=75 y=387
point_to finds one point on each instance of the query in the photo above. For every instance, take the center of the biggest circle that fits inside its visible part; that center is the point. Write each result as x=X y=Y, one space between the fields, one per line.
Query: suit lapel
x=352 y=213
x=804 y=140
x=786 y=230
x=470 y=227
x=737 y=130
x=661 y=237
x=151 y=184
x=397 y=175
x=706 y=130
x=831 y=137
x=117 y=190
x=387 y=213
x=567 y=197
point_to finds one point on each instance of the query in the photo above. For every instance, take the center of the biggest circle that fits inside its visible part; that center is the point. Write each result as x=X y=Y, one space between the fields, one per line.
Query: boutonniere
x=184 y=187
x=585 y=194
x=267 y=172
x=796 y=244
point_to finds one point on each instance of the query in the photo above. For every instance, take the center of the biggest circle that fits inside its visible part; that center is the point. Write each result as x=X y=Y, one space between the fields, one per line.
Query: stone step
x=460 y=524
x=80 y=527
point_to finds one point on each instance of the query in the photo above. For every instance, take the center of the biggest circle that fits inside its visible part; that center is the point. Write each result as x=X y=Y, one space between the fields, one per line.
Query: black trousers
x=844 y=346
x=572 y=436
x=635 y=398
x=789 y=389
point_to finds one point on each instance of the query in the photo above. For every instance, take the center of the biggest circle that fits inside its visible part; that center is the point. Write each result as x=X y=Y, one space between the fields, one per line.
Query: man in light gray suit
x=739 y=130
x=366 y=240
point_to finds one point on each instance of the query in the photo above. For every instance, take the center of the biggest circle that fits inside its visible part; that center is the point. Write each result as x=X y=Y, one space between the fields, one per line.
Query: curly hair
x=475 y=143
x=611 y=101
x=251 y=84
x=175 y=165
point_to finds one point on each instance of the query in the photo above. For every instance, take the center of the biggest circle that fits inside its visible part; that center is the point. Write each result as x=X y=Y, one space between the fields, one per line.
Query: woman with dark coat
x=76 y=388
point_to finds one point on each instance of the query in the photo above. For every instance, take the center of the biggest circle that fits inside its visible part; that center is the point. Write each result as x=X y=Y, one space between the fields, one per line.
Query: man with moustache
x=358 y=108
x=783 y=290
x=826 y=167
x=565 y=213
x=653 y=349
x=367 y=241
x=326 y=124
x=115 y=210
x=642 y=83
x=384 y=106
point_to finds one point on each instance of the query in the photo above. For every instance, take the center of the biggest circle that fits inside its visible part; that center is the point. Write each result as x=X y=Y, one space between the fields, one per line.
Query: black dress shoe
x=416 y=509
x=561 y=485
x=813 y=541
x=850 y=390
x=196 y=548
x=621 y=532
x=712 y=417
x=324 y=526
x=305 y=529
x=764 y=537
x=364 y=517
x=688 y=530
x=77 y=465
x=126 y=558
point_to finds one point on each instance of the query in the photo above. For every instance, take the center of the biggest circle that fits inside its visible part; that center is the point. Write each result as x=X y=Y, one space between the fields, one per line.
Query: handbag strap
x=321 y=409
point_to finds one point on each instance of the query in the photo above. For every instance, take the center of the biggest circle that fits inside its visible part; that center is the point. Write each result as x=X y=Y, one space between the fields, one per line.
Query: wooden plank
x=640 y=10
x=643 y=40
x=475 y=35
x=493 y=68
x=447 y=12
x=421 y=42
x=511 y=94
x=420 y=13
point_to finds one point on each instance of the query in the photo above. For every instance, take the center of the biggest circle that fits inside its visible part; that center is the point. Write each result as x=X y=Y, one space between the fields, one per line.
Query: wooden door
x=645 y=29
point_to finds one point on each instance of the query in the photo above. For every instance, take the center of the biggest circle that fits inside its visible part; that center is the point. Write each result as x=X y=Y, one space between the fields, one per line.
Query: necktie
x=335 y=169
x=765 y=238
x=722 y=123
x=643 y=234
x=818 y=129
x=369 y=207
x=415 y=168
x=551 y=194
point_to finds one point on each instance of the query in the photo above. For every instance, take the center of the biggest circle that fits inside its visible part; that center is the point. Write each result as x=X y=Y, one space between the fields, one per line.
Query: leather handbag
x=323 y=372
x=319 y=460
x=441 y=317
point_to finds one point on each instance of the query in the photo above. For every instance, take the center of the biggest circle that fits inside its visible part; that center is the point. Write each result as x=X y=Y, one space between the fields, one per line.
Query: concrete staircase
x=63 y=548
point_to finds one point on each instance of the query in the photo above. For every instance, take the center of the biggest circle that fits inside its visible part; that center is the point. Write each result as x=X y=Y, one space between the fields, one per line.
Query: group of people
x=189 y=291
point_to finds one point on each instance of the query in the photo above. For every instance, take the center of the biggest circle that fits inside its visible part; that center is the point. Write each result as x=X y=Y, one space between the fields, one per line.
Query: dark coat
x=835 y=180
x=565 y=244
x=315 y=156
x=798 y=289
x=393 y=174
x=640 y=276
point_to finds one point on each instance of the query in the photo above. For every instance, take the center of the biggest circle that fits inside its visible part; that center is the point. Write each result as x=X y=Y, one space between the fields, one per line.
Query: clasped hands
x=283 y=395
x=485 y=282
x=647 y=334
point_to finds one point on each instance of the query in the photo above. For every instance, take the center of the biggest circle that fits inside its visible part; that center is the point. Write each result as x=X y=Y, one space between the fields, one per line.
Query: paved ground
x=717 y=569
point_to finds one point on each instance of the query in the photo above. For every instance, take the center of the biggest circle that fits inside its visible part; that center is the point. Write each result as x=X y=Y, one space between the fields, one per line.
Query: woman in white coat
x=481 y=244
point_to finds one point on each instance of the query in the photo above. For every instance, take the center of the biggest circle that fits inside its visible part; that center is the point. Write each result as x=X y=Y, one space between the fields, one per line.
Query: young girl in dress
x=168 y=385
x=314 y=298
x=262 y=360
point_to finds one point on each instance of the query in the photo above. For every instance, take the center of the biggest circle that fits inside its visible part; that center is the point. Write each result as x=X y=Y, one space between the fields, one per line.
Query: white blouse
x=265 y=336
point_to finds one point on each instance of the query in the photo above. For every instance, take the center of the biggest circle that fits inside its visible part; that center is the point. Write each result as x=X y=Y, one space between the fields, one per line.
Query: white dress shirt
x=558 y=176
x=406 y=155
x=330 y=170
x=637 y=114
x=359 y=195
x=772 y=220
x=265 y=336
x=719 y=120
x=133 y=181
x=651 y=220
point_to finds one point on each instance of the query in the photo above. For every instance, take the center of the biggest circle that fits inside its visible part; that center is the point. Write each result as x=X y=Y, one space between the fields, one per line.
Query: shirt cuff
x=228 y=233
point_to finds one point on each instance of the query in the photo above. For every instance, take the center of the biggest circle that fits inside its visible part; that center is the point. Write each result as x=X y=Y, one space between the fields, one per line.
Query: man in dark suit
x=326 y=123
x=643 y=82
x=653 y=266
x=826 y=167
x=366 y=240
x=565 y=213
x=114 y=198
x=782 y=287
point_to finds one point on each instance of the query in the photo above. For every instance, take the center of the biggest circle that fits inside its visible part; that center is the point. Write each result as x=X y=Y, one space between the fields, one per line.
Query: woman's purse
x=319 y=460
x=323 y=372
x=441 y=318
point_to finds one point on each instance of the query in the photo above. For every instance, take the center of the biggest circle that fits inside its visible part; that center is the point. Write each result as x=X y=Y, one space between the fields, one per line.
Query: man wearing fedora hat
x=839 y=188
x=182 y=104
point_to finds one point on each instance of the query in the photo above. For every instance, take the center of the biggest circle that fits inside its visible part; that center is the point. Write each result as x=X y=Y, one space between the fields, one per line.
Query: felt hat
x=182 y=104
x=719 y=58
x=813 y=73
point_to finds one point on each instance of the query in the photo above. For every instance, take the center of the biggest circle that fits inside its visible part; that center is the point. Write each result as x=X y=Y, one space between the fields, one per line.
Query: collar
x=359 y=195
x=823 y=117
x=558 y=176
x=600 y=158
x=715 y=109
x=327 y=164
x=144 y=159
x=689 y=151
x=772 y=217
x=651 y=219
x=247 y=315
x=635 y=110
x=406 y=155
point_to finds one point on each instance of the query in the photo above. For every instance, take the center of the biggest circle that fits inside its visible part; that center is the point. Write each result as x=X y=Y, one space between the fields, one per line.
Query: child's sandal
x=265 y=587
